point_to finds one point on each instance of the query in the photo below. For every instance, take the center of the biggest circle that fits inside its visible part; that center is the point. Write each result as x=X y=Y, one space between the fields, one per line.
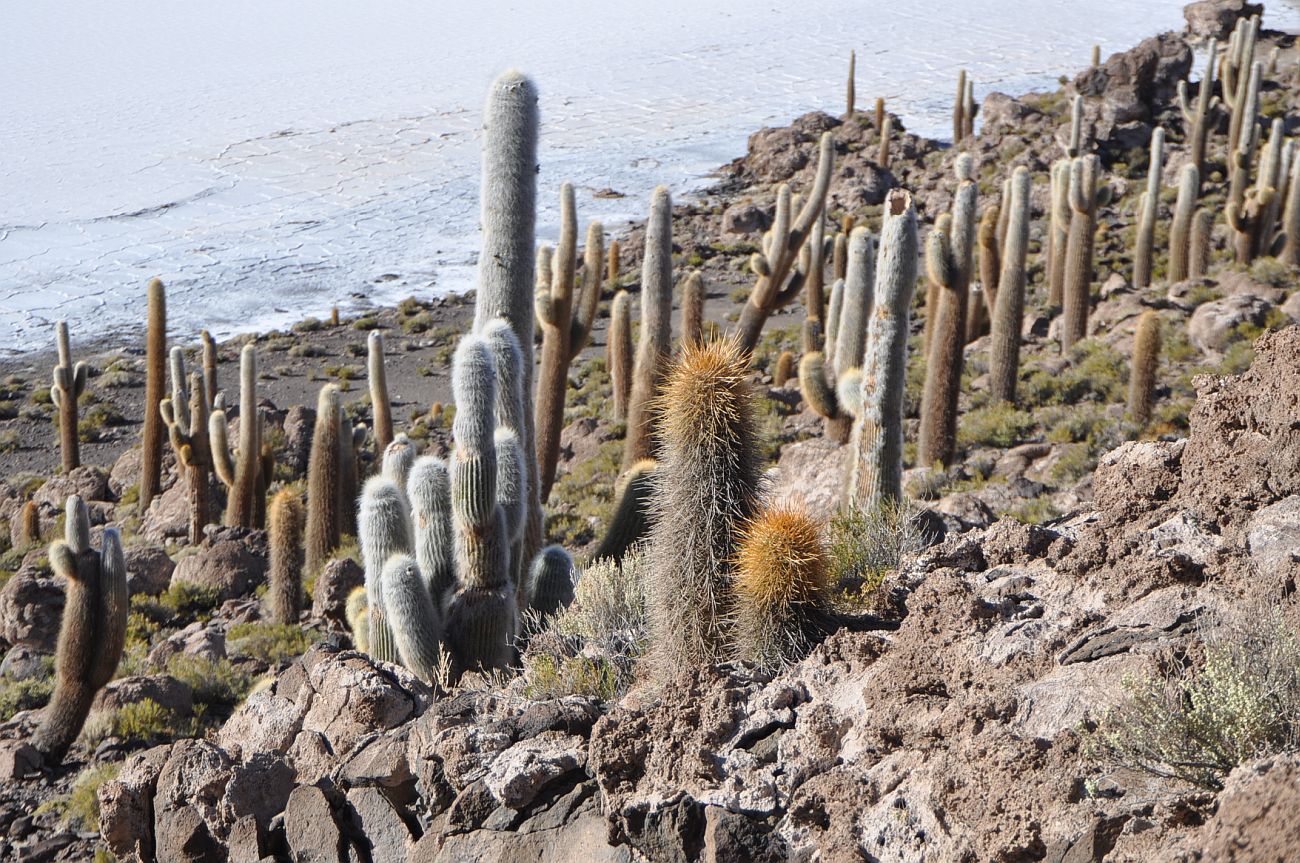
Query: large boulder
x=1215 y=19
x=1132 y=83
x=229 y=565
x=1213 y=326
x=88 y=481
x=148 y=569
x=31 y=606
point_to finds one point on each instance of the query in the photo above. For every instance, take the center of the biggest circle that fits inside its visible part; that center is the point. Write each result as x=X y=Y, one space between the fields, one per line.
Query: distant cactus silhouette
x=155 y=390
x=655 y=343
x=69 y=384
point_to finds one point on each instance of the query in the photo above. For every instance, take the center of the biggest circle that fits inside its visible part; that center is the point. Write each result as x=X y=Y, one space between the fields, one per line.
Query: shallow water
x=270 y=160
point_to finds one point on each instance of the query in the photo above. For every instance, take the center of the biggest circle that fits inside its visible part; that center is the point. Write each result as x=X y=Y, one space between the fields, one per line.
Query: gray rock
x=1212 y=324
x=18 y=760
x=377 y=819
x=745 y=217
x=1273 y=536
x=227 y=565
x=309 y=827
x=730 y=837
x=259 y=788
x=812 y=470
x=520 y=773
x=148 y=569
x=88 y=481
x=1214 y=19
x=31 y=605
x=125 y=805
x=197 y=639
x=163 y=689
x=1292 y=306
x=22 y=662
x=184 y=837
x=168 y=516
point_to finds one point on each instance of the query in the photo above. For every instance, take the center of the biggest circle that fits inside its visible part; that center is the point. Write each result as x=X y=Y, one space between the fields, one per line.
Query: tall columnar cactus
x=380 y=405
x=876 y=468
x=1291 y=217
x=983 y=299
x=880 y=113
x=323 y=479
x=631 y=519
x=886 y=133
x=656 y=327
x=706 y=487
x=550 y=581
x=779 y=280
x=26 y=529
x=1241 y=157
x=384 y=529
x=186 y=417
x=511 y=491
x=566 y=314
x=1074 y=145
x=209 y=368
x=968 y=110
x=1004 y=349
x=619 y=352
x=480 y=621
x=92 y=634
x=351 y=439
x=851 y=309
x=812 y=264
x=959 y=109
x=1146 y=359
x=839 y=256
x=1235 y=70
x=1200 y=118
x=1058 y=232
x=933 y=289
x=1198 y=255
x=155 y=390
x=693 y=309
x=69 y=384
x=611 y=266
x=851 y=96
x=782 y=587
x=784 y=369
x=429 y=491
x=505 y=277
x=1085 y=198
x=240 y=474
x=1180 y=229
x=1148 y=206
x=949 y=260
x=284 y=576
x=412 y=618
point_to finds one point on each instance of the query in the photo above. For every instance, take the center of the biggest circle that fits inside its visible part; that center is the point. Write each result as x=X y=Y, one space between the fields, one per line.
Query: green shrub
x=79 y=808
x=550 y=676
x=272 y=643
x=865 y=547
x=1001 y=425
x=213 y=681
x=26 y=694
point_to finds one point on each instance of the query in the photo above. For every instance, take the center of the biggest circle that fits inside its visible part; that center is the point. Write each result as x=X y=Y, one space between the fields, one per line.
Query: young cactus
x=26 y=529
x=706 y=487
x=886 y=133
x=69 y=384
x=1004 y=349
x=619 y=352
x=240 y=476
x=323 y=479
x=1198 y=257
x=380 y=405
x=949 y=261
x=357 y=612
x=186 y=417
x=480 y=620
x=656 y=327
x=284 y=577
x=876 y=467
x=779 y=280
x=384 y=529
x=92 y=634
x=959 y=109
x=693 y=309
x=550 y=581
x=1149 y=206
x=398 y=458
x=784 y=369
x=1085 y=198
x=782 y=580
x=1180 y=229
x=1146 y=359
x=412 y=618
x=1200 y=118
x=155 y=390
x=631 y=520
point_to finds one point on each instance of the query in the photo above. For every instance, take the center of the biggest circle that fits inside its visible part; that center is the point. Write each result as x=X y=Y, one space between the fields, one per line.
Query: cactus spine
x=782 y=575
x=876 y=467
x=779 y=280
x=1200 y=118
x=285 y=574
x=69 y=384
x=1004 y=351
x=1142 y=377
x=241 y=476
x=693 y=309
x=155 y=390
x=1149 y=205
x=550 y=581
x=357 y=612
x=1180 y=229
x=1085 y=197
x=706 y=486
x=949 y=261
x=380 y=405
x=92 y=634
x=619 y=352
x=188 y=432
x=323 y=481
x=656 y=326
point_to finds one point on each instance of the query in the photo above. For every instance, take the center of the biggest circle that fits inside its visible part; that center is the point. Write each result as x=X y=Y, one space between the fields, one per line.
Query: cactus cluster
x=185 y=413
x=245 y=473
x=69 y=384
x=92 y=634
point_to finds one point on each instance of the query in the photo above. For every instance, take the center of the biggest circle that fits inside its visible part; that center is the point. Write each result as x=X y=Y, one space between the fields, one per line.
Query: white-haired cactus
x=323 y=479
x=1149 y=205
x=550 y=581
x=155 y=390
x=399 y=455
x=241 y=473
x=413 y=618
x=384 y=528
x=512 y=480
x=429 y=492
x=876 y=470
x=185 y=414
x=779 y=280
x=1004 y=352
x=1085 y=197
x=949 y=259
x=69 y=384
x=93 y=632
x=380 y=405
x=656 y=327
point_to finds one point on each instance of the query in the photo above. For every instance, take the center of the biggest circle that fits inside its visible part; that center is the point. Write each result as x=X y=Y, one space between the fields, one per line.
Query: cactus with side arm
x=69 y=384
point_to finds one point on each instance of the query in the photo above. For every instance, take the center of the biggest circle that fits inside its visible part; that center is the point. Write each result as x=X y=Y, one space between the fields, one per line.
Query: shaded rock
x=1131 y=83
x=259 y=788
x=377 y=819
x=336 y=581
x=811 y=471
x=126 y=805
x=18 y=760
x=148 y=569
x=1213 y=324
x=745 y=217
x=163 y=689
x=168 y=515
x=88 y=481
x=1215 y=19
x=730 y=837
x=229 y=566
x=31 y=605
x=309 y=827
x=1272 y=537
x=299 y=422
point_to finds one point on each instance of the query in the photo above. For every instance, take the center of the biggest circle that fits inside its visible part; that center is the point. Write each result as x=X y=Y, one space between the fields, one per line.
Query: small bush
x=608 y=607
x=213 y=681
x=1199 y=721
x=79 y=808
x=867 y=546
x=549 y=676
x=272 y=643
x=1000 y=425
x=26 y=694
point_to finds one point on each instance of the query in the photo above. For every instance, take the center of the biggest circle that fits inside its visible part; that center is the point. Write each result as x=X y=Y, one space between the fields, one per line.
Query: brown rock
x=31 y=605
x=163 y=689
x=309 y=827
x=336 y=581
x=148 y=569
x=1213 y=324
x=1215 y=19
x=88 y=481
x=126 y=807
x=227 y=565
